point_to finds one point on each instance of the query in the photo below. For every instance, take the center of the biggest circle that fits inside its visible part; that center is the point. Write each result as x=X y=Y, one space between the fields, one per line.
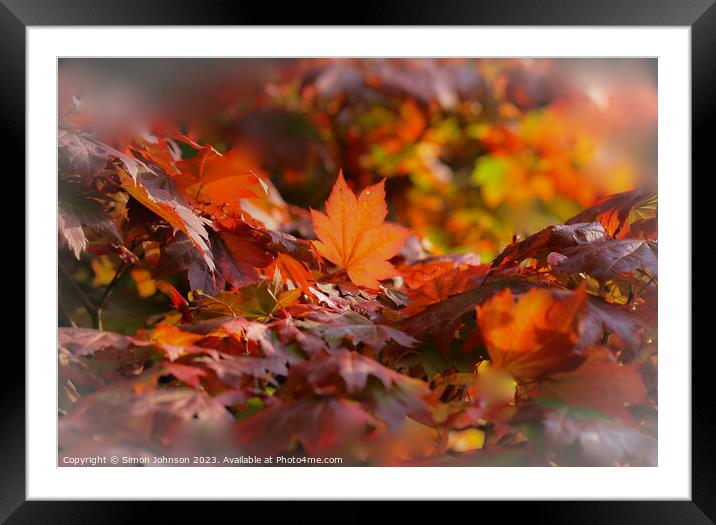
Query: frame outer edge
x=12 y=108
x=703 y=123
x=12 y=263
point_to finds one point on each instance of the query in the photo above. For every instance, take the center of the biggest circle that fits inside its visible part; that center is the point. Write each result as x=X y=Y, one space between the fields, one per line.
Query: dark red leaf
x=608 y=259
x=619 y=213
x=337 y=326
x=551 y=239
x=321 y=426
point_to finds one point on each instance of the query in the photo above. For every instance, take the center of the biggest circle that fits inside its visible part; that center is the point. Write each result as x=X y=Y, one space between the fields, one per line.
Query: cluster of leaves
x=474 y=151
x=348 y=344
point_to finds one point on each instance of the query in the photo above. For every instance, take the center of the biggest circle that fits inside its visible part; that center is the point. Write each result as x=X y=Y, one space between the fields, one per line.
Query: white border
x=671 y=479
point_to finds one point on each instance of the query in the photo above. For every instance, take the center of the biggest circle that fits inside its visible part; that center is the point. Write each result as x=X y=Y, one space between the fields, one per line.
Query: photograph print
x=357 y=262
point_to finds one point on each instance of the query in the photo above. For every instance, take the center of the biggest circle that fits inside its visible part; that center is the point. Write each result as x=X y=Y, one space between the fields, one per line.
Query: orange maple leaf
x=430 y=283
x=211 y=176
x=352 y=233
x=535 y=335
x=292 y=269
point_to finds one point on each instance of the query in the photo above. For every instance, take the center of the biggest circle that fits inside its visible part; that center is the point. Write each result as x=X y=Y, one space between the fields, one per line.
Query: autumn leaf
x=188 y=374
x=421 y=271
x=442 y=319
x=288 y=333
x=70 y=226
x=631 y=214
x=352 y=233
x=247 y=331
x=173 y=341
x=441 y=286
x=608 y=259
x=234 y=261
x=620 y=320
x=354 y=327
x=292 y=270
x=600 y=383
x=345 y=373
x=136 y=411
x=161 y=152
x=234 y=371
x=299 y=249
x=86 y=341
x=603 y=318
x=92 y=358
x=79 y=155
x=533 y=335
x=157 y=194
x=255 y=301
x=345 y=296
x=75 y=211
x=321 y=426
x=211 y=176
x=551 y=239
x=178 y=302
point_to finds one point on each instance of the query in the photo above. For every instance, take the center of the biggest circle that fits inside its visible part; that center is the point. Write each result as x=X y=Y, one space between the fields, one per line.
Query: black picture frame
x=16 y=15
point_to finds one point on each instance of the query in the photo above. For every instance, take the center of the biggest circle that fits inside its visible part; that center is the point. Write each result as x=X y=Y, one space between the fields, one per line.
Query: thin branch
x=86 y=303
x=65 y=312
x=95 y=311
x=108 y=291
